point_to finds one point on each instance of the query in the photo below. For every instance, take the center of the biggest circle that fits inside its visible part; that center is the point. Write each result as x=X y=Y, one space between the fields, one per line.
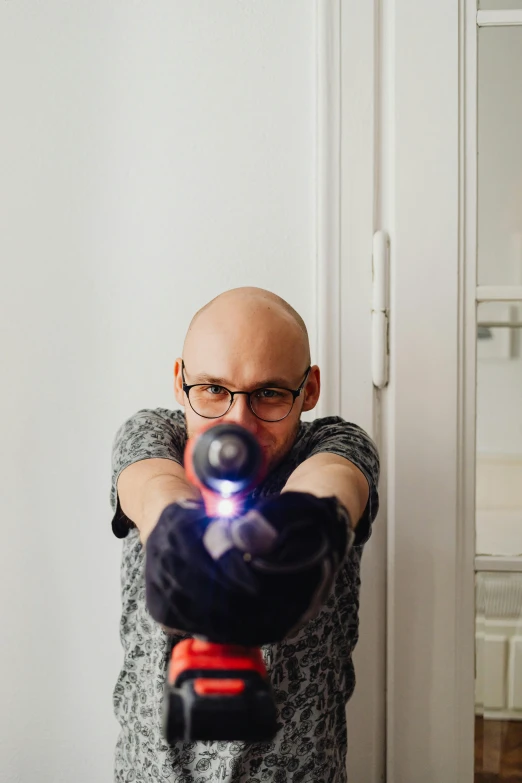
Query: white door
x=428 y=556
x=398 y=149
x=451 y=181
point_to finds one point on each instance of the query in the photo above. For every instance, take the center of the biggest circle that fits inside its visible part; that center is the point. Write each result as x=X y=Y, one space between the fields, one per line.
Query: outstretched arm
x=148 y=486
x=324 y=475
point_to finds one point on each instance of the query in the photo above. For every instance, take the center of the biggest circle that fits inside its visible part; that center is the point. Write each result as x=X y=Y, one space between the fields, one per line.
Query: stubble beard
x=275 y=459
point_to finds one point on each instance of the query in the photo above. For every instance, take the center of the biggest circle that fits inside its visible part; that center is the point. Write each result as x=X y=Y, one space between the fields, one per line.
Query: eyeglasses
x=213 y=401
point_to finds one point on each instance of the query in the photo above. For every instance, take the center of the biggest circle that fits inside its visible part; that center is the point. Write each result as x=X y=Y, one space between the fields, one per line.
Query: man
x=246 y=340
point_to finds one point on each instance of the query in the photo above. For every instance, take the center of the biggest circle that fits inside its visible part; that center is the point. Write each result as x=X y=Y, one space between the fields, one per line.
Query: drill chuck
x=227 y=459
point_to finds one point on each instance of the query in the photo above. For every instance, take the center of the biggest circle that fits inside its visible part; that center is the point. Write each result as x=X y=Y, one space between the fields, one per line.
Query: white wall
x=152 y=155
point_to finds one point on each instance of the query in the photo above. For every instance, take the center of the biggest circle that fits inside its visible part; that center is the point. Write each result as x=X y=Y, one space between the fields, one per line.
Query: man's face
x=244 y=352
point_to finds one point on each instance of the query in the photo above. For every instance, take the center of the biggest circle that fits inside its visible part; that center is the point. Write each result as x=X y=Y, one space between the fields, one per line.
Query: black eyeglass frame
x=295 y=393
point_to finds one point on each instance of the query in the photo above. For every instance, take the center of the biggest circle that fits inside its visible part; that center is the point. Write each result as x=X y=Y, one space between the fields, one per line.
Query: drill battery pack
x=217 y=692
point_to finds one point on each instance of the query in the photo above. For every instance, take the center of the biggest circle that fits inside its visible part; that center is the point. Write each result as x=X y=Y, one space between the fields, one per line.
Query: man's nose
x=240 y=413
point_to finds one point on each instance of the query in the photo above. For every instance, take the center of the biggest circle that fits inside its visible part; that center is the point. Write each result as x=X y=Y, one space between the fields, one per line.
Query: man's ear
x=178 y=383
x=312 y=390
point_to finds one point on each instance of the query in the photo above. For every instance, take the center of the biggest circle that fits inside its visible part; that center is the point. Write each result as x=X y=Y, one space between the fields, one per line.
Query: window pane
x=499 y=429
x=500 y=156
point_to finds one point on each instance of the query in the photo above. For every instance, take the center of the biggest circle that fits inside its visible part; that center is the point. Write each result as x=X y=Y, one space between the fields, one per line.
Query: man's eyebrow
x=202 y=378
x=281 y=382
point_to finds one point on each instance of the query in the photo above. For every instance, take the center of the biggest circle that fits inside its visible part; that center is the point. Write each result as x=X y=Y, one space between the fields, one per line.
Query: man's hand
x=250 y=580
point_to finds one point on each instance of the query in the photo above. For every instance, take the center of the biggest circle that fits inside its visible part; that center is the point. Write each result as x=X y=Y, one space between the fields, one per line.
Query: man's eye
x=268 y=394
x=215 y=390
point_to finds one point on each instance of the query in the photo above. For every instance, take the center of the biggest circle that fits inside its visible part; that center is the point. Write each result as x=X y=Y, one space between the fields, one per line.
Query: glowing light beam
x=226 y=507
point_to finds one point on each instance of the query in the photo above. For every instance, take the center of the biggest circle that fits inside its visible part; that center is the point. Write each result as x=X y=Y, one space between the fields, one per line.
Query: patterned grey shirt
x=312 y=674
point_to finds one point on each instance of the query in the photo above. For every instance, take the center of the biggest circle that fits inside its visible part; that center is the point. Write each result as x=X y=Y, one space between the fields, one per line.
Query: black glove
x=251 y=580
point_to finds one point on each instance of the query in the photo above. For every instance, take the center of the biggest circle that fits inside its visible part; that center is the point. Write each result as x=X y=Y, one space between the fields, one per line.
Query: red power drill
x=220 y=691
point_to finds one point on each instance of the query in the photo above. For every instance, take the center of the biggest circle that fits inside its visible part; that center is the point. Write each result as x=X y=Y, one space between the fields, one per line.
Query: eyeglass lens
x=268 y=404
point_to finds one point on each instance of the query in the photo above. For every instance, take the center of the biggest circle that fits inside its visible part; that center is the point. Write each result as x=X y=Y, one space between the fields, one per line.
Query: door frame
x=346 y=187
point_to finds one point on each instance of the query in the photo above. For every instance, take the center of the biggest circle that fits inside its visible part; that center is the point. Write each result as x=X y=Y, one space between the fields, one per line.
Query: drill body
x=220 y=691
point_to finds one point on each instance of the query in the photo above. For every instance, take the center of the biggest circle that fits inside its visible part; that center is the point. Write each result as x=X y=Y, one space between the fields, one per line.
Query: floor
x=498 y=751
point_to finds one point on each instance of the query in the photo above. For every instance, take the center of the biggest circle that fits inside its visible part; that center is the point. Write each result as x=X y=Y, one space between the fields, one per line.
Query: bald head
x=250 y=319
x=248 y=340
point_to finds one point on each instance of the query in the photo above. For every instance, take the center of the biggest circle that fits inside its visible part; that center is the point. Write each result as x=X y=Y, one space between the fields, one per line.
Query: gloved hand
x=251 y=580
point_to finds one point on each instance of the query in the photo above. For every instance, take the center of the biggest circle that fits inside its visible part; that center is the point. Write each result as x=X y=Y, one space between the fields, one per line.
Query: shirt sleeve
x=337 y=436
x=148 y=434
